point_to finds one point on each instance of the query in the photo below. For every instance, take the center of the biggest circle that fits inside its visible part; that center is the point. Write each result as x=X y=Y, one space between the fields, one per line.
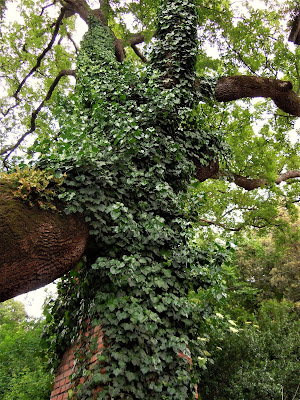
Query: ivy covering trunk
x=130 y=146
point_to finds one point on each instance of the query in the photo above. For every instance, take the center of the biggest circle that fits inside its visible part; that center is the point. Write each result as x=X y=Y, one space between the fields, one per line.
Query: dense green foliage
x=252 y=342
x=259 y=361
x=271 y=263
x=23 y=375
x=235 y=38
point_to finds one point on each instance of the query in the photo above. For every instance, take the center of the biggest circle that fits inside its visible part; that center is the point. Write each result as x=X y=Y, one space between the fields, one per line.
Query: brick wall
x=62 y=384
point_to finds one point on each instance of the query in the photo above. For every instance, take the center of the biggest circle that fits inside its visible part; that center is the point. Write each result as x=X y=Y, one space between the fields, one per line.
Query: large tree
x=122 y=151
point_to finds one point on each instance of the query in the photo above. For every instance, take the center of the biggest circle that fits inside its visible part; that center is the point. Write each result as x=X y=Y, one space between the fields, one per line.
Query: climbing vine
x=128 y=147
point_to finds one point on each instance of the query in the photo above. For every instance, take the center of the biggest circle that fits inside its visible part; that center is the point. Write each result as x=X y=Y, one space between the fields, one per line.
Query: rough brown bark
x=295 y=31
x=36 y=246
x=237 y=87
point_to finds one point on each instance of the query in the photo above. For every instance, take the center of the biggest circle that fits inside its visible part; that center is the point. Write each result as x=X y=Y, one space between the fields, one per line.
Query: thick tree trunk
x=36 y=246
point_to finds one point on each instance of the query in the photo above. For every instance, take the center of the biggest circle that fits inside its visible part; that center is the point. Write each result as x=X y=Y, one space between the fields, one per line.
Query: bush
x=260 y=361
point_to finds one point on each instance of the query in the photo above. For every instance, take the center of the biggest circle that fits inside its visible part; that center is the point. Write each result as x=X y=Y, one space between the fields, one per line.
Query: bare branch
x=251 y=184
x=8 y=150
x=139 y=53
x=287 y=175
x=248 y=183
x=137 y=38
x=45 y=7
x=73 y=42
x=227 y=228
x=212 y=171
x=240 y=86
x=45 y=51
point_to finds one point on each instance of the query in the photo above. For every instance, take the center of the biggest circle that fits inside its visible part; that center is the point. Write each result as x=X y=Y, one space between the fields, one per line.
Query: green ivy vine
x=128 y=146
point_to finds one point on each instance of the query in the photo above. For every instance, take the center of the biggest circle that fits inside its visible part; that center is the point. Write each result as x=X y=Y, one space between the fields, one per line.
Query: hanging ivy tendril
x=128 y=144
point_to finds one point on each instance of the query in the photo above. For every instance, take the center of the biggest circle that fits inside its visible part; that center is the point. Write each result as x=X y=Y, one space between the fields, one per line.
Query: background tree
x=22 y=368
x=271 y=263
x=255 y=357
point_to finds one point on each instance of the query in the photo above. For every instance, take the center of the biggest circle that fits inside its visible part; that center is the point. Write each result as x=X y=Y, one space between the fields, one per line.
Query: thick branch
x=240 y=86
x=35 y=113
x=82 y=8
x=250 y=183
x=287 y=175
x=137 y=38
x=212 y=171
x=77 y=6
x=36 y=246
x=139 y=53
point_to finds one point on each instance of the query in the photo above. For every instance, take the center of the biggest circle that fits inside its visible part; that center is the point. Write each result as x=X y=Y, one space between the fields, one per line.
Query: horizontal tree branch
x=240 y=86
x=212 y=171
x=287 y=175
x=252 y=183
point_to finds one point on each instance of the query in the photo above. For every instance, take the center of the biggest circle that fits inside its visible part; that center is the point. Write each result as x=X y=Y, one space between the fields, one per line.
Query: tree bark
x=36 y=246
x=237 y=87
x=295 y=30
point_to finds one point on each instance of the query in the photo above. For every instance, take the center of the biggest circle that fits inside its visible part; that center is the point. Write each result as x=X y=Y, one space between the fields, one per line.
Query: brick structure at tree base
x=63 y=388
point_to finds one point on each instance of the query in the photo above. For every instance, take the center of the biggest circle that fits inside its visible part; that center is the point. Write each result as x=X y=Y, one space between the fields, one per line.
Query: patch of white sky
x=34 y=300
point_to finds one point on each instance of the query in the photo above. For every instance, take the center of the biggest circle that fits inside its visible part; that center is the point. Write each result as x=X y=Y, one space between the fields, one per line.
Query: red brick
x=67 y=374
x=57 y=391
